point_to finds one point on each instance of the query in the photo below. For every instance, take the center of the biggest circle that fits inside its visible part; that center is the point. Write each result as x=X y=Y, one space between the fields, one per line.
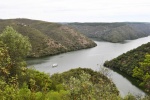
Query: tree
x=143 y=72
x=82 y=88
x=18 y=45
x=5 y=61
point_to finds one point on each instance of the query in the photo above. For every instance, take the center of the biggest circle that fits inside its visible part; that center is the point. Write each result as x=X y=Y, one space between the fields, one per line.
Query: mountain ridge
x=48 y=38
x=113 y=32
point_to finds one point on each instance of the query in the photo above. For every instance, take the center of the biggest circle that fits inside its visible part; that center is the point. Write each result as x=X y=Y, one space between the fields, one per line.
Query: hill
x=113 y=32
x=48 y=38
x=84 y=84
x=129 y=60
x=128 y=63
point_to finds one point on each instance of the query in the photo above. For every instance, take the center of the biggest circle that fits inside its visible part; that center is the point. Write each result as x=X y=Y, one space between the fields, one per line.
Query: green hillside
x=48 y=38
x=127 y=61
x=113 y=32
x=133 y=59
x=84 y=83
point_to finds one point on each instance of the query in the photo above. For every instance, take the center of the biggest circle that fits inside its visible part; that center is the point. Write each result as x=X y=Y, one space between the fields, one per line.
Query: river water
x=92 y=58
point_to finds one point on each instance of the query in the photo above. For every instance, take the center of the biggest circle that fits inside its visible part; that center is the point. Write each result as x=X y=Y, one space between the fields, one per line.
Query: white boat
x=54 y=65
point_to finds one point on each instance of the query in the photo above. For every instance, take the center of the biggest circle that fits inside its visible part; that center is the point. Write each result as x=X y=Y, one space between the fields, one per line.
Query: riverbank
x=131 y=79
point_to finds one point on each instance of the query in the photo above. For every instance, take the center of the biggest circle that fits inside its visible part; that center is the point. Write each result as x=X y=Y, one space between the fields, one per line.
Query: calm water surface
x=92 y=58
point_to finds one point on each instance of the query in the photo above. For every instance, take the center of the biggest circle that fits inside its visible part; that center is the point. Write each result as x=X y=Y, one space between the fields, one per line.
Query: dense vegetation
x=143 y=73
x=48 y=38
x=17 y=82
x=113 y=32
x=134 y=63
x=86 y=84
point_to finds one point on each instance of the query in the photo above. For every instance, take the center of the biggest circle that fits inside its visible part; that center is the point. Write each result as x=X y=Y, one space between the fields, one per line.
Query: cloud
x=77 y=10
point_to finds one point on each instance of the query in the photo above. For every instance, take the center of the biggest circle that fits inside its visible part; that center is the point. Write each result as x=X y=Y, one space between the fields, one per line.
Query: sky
x=77 y=10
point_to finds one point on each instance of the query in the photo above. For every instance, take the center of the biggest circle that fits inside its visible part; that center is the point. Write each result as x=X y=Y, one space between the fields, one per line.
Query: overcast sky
x=77 y=10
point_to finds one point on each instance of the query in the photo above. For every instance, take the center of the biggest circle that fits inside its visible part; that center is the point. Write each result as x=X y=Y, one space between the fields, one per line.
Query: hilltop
x=113 y=32
x=48 y=38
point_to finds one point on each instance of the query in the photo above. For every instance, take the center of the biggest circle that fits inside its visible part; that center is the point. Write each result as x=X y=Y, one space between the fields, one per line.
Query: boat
x=54 y=65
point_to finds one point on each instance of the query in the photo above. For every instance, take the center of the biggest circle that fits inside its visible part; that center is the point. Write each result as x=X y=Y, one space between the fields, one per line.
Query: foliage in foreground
x=86 y=84
x=18 y=45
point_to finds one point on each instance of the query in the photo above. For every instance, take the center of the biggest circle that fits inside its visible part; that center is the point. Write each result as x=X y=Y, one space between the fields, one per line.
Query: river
x=92 y=58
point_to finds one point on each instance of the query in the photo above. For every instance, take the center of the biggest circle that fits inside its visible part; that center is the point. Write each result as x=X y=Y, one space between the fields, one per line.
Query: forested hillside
x=48 y=38
x=135 y=63
x=128 y=61
x=113 y=32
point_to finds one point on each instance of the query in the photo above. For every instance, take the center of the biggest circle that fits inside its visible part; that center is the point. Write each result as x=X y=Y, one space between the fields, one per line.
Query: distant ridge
x=48 y=38
x=113 y=32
